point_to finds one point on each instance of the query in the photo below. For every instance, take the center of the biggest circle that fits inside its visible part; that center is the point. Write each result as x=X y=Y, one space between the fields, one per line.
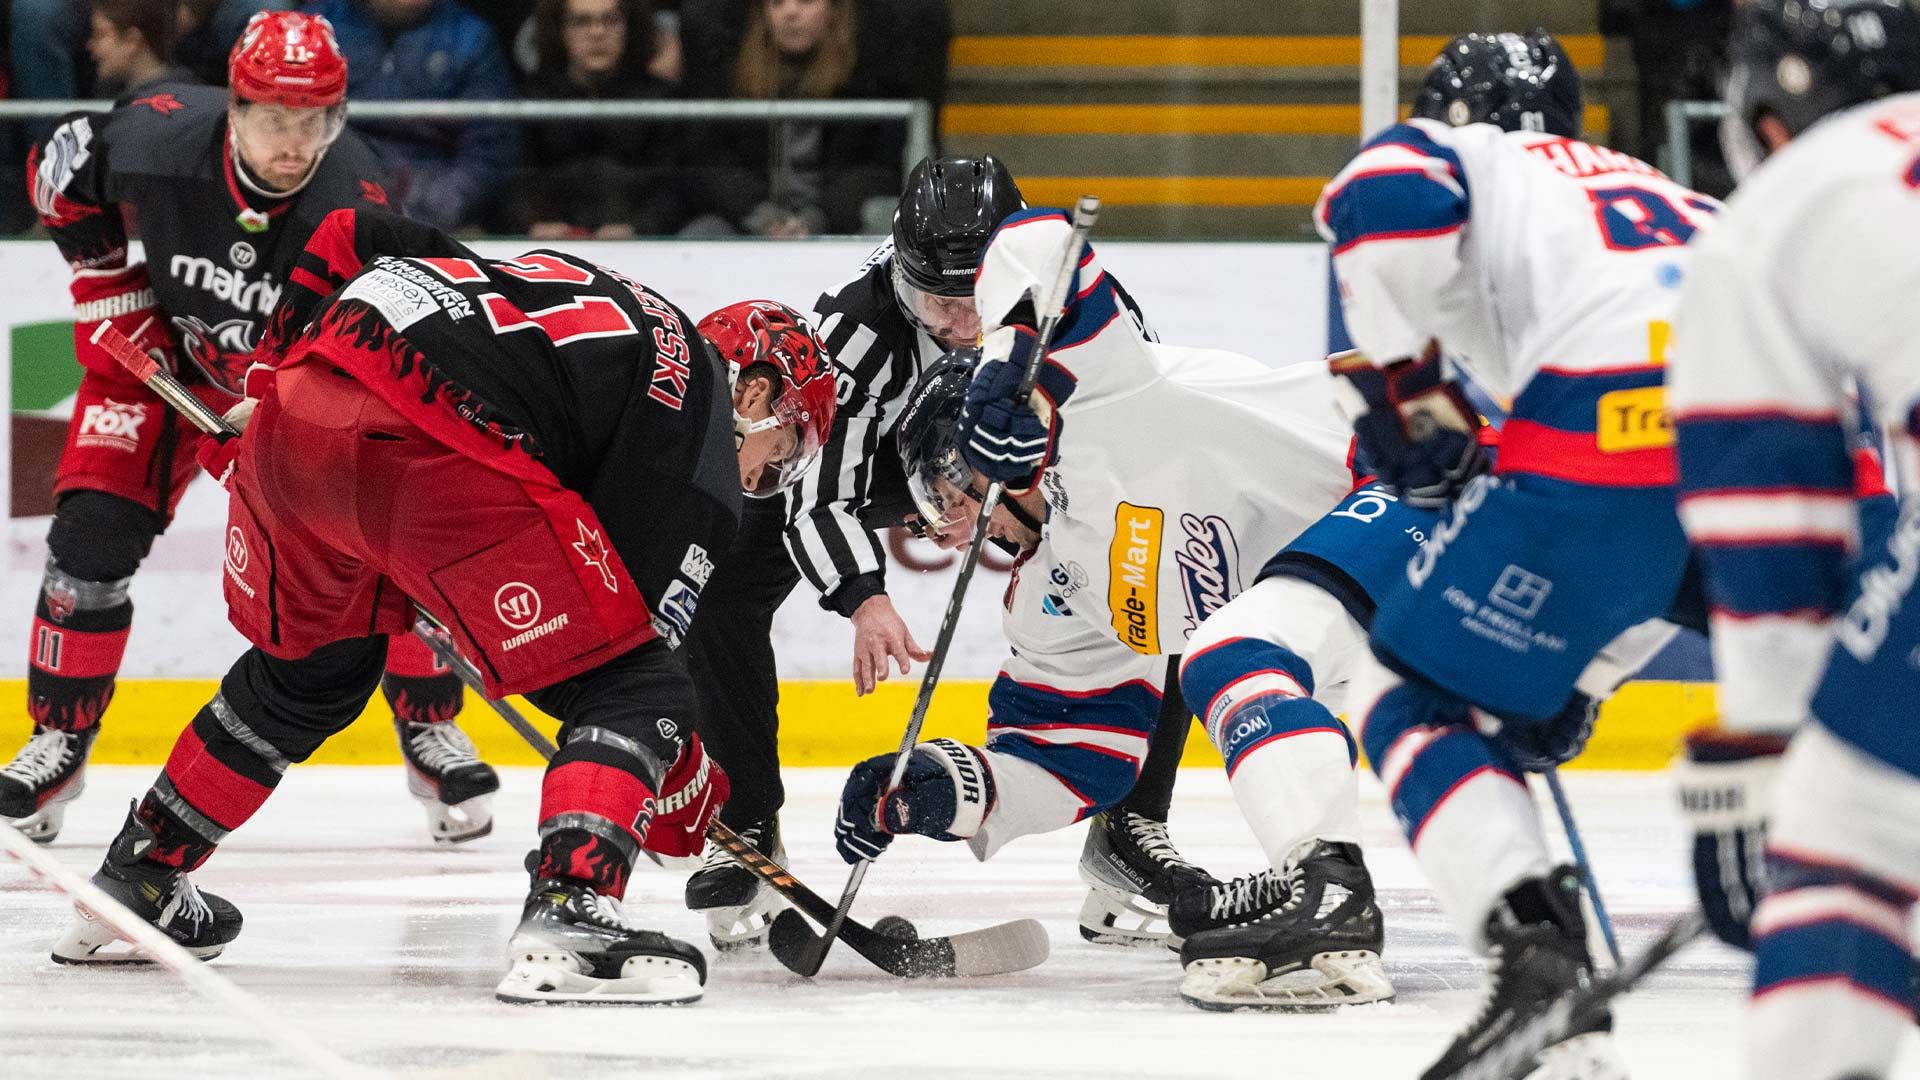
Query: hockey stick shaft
x=164 y=951
x=1085 y=214
x=1565 y=808
x=161 y=381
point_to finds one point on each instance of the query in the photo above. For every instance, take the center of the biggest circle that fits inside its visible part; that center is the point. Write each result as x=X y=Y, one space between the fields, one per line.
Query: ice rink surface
x=387 y=950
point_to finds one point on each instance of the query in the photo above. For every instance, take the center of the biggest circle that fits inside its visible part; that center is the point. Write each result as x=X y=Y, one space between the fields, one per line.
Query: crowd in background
x=558 y=179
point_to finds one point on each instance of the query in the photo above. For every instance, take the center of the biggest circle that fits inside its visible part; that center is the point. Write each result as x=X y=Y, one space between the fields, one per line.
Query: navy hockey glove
x=1539 y=745
x=945 y=794
x=1723 y=792
x=1003 y=437
x=1414 y=426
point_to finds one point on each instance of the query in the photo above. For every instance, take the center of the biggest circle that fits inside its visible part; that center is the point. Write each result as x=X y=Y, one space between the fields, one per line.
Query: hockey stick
x=1514 y=1054
x=806 y=960
x=1600 y=916
x=1013 y=946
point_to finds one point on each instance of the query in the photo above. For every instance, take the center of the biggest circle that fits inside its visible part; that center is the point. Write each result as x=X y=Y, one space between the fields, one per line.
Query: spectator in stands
x=47 y=37
x=601 y=179
x=129 y=43
x=799 y=179
x=405 y=50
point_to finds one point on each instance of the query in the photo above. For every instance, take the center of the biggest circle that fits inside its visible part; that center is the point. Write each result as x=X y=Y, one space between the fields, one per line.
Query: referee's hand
x=880 y=635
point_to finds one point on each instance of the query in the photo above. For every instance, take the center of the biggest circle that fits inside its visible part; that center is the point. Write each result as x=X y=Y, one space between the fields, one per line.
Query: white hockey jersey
x=1547 y=267
x=1804 y=293
x=1181 y=472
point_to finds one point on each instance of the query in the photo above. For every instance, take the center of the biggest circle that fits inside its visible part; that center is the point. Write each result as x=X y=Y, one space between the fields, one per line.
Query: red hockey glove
x=123 y=298
x=1414 y=426
x=690 y=797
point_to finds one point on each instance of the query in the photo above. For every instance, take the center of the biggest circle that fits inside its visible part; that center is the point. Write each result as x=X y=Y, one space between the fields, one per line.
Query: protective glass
x=951 y=320
x=943 y=492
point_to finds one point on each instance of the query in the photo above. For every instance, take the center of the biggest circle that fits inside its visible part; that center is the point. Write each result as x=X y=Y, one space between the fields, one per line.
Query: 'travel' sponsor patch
x=1633 y=420
x=1133 y=583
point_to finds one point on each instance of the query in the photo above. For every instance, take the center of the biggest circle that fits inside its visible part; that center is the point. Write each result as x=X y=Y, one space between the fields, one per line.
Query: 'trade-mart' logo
x=1133 y=581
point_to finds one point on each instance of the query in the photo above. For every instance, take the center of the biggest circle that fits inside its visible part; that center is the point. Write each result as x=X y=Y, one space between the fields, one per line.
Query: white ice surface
x=387 y=949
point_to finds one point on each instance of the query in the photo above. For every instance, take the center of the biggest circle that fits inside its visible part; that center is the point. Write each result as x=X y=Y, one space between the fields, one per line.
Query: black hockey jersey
x=597 y=379
x=160 y=165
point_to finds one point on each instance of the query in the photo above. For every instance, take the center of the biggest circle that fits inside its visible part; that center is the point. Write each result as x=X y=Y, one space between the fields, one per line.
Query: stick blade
x=1000 y=950
x=792 y=941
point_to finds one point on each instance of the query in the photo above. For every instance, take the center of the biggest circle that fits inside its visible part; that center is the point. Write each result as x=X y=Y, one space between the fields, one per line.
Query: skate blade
x=1110 y=916
x=1584 y=1057
x=458 y=823
x=42 y=825
x=1331 y=980
x=553 y=979
x=89 y=941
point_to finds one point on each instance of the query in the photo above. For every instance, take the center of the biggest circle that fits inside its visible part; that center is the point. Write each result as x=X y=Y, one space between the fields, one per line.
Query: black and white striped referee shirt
x=857 y=489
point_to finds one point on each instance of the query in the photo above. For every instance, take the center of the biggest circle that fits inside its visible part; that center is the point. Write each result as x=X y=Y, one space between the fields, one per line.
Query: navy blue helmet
x=1799 y=60
x=1521 y=82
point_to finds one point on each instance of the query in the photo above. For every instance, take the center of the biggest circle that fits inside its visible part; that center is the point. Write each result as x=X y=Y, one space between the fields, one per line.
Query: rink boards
x=1268 y=300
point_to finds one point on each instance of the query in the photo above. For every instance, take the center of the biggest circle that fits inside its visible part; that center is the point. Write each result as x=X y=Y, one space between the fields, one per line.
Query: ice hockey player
x=1798 y=304
x=226 y=187
x=1125 y=550
x=912 y=301
x=541 y=452
x=1547 y=268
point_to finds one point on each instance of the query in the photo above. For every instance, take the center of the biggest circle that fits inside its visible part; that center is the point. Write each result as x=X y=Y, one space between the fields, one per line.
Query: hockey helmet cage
x=288 y=58
x=928 y=436
x=1800 y=60
x=767 y=332
x=1519 y=82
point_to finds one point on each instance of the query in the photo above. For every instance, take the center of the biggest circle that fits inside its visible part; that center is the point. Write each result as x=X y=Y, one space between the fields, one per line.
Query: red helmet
x=765 y=332
x=287 y=58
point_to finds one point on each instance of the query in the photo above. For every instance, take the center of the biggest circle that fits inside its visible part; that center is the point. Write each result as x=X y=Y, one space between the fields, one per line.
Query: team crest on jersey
x=593 y=551
x=1209 y=561
x=372 y=192
x=164 y=104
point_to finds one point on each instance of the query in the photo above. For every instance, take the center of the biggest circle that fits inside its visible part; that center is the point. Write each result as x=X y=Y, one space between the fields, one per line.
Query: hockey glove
x=1414 y=425
x=690 y=797
x=216 y=455
x=1007 y=439
x=1723 y=792
x=123 y=298
x=946 y=794
x=1540 y=745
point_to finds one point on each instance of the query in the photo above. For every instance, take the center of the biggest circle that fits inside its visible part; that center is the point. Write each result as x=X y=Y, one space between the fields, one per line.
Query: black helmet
x=927 y=435
x=943 y=222
x=1521 y=82
x=1798 y=60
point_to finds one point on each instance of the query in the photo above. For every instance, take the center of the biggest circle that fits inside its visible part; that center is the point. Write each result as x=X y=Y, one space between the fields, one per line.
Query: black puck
x=896 y=927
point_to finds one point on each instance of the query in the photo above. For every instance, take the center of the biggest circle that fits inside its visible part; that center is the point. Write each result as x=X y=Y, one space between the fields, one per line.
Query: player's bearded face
x=961 y=506
x=279 y=143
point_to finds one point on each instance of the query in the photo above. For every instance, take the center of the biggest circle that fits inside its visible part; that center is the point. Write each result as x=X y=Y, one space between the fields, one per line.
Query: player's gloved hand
x=1414 y=425
x=690 y=797
x=945 y=794
x=1723 y=792
x=1540 y=745
x=1006 y=438
x=121 y=298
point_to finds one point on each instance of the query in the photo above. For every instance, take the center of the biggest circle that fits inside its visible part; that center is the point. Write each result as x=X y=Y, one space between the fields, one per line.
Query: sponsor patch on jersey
x=230 y=286
x=1209 y=561
x=112 y=425
x=1133 y=583
x=1633 y=419
x=399 y=301
x=674 y=614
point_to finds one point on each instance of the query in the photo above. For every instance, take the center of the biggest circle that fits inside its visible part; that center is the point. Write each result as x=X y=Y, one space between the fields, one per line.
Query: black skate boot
x=202 y=923
x=449 y=779
x=47 y=774
x=1132 y=871
x=1536 y=951
x=1307 y=937
x=574 y=945
x=738 y=905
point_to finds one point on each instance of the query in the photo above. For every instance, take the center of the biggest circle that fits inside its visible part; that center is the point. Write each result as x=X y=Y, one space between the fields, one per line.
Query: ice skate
x=739 y=906
x=202 y=923
x=1308 y=937
x=47 y=774
x=574 y=945
x=1536 y=951
x=1132 y=871
x=449 y=779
